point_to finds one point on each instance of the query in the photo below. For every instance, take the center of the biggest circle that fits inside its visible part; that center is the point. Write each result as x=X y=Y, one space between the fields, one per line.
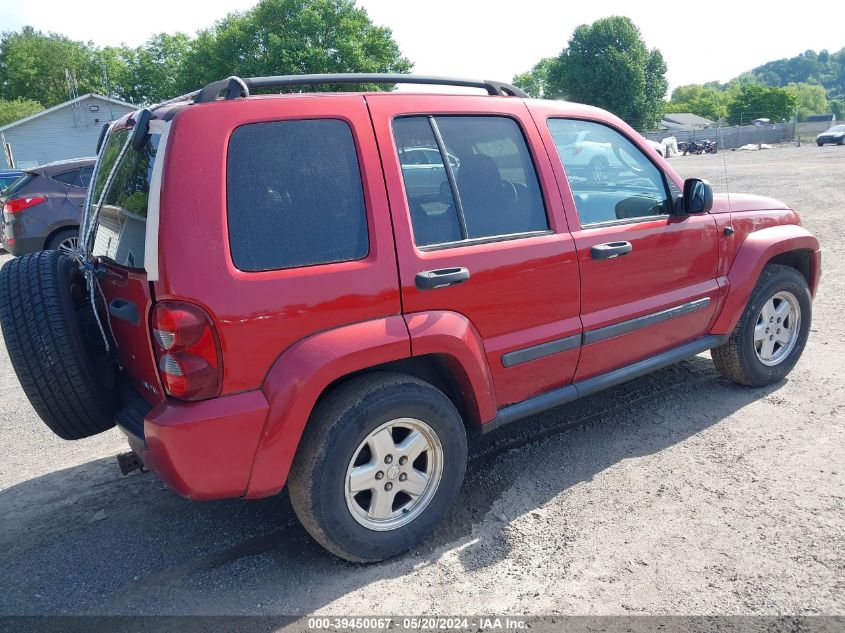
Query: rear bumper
x=22 y=245
x=203 y=450
x=22 y=234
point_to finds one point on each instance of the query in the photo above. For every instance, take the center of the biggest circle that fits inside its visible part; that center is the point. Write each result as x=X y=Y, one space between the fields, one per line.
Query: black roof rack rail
x=235 y=87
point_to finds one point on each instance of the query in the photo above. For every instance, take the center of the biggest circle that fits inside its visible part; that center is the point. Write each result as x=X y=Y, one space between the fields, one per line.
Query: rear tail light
x=187 y=351
x=19 y=204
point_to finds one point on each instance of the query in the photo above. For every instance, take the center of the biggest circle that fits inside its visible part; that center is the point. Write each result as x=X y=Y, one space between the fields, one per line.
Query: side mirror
x=698 y=196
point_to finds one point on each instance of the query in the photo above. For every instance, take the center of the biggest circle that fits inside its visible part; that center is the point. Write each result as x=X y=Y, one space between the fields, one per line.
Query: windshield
x=837 y=128
x=121 y=226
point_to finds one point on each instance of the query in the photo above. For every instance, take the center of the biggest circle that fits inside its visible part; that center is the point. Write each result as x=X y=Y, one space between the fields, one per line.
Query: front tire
x=771 y=333
x=380 y=463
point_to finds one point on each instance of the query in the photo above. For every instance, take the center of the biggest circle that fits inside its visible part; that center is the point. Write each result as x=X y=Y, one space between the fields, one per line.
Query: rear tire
x=357 y=447
x=56 y=352
x=744 y=359
x=64 y=240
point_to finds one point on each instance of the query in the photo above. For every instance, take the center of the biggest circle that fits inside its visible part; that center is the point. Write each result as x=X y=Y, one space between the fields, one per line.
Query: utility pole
x=7 y=149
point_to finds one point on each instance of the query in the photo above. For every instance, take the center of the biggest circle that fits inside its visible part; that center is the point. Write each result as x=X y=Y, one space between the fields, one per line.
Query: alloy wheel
x=777 y=328
x=68 y=245
x=393 y=474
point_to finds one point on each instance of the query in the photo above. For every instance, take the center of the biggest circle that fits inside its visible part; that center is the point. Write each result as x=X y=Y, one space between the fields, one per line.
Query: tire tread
x=40 y=342
x=322 y=430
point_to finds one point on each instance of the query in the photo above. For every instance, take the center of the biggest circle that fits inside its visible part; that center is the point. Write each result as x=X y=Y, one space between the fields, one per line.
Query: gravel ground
x=678 y=493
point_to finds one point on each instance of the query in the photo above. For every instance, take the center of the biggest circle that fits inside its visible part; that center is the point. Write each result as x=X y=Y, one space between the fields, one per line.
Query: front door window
x=610 y=178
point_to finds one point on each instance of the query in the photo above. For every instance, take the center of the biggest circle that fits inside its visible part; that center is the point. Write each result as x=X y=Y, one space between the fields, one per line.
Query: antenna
x=73 y=92
x=108 y=90
x=725 y=165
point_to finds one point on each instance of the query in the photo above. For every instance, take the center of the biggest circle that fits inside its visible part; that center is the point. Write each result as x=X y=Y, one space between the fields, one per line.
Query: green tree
x=704 y=100
x=279 y=37
x=755 y=101
x=811 y=100
x=275 y=37
x=11 y=111
x=158 y=69
x=607 y=64
x=115 y=65
x=824 y=68
x=534 y=81
x=32 y=66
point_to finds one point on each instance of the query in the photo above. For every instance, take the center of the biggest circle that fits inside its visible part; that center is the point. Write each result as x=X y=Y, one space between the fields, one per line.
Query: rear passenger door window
x=68 y=177
x=294 y=195
x=76 y=177
x=468 y=178
x=610 y=178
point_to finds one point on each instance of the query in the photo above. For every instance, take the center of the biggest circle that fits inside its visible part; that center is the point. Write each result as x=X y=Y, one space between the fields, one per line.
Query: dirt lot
x=679 y=493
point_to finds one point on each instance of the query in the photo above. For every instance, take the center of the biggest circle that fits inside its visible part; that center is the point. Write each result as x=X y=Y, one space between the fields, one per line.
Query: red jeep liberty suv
x=330 y=290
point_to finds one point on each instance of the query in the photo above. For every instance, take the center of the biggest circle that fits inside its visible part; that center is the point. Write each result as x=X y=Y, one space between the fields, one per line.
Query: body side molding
x=568 y=393
x=534 y=352
x=541 y=350
x=653 y=318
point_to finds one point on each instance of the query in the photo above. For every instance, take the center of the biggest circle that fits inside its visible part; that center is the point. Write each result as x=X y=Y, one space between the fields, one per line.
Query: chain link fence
x=733 y=136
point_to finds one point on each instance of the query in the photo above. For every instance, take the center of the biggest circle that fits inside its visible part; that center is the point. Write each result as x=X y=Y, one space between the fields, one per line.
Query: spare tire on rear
x=55 y=346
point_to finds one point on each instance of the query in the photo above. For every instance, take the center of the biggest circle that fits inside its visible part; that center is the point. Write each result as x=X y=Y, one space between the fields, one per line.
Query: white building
x=68 y=130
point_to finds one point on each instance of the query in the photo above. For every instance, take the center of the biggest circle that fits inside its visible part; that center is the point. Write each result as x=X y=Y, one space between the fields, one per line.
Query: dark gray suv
x=41 y=209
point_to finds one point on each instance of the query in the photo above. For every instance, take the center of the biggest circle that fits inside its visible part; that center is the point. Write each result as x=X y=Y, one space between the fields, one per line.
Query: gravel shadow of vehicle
x=86 y=540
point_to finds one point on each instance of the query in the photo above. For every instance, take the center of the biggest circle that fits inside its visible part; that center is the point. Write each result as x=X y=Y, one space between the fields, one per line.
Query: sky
x=493 y=39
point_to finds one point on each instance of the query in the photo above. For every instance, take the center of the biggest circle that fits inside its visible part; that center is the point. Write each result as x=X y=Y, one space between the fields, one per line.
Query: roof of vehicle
x=58 y=166
x=236 y=87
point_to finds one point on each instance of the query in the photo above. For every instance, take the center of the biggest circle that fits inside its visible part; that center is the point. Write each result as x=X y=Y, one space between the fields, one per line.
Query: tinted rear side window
x=497 y=184
x=493 y=190
x=294 y=195
x=68 y=177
